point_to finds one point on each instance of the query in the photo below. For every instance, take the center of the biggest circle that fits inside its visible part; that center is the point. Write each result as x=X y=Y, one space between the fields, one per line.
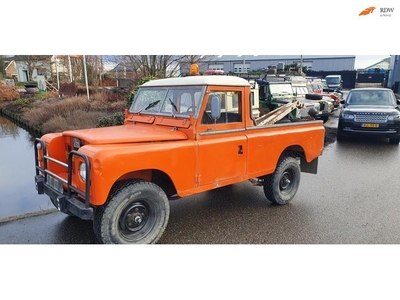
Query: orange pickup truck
x=181 y=136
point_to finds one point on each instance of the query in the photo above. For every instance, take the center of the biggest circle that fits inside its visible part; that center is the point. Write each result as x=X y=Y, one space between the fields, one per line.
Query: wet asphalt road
x=352 y=200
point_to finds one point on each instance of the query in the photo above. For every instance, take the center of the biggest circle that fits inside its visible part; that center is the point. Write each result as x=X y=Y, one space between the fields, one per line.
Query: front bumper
x=356 y=129
x=65 y=197
x=64 y=203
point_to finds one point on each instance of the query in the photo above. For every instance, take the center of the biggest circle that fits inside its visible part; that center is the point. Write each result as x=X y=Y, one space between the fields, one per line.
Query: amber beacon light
x=194 y=70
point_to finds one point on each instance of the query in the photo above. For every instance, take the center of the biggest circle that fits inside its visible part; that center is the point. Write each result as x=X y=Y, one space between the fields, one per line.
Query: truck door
x=222 y=143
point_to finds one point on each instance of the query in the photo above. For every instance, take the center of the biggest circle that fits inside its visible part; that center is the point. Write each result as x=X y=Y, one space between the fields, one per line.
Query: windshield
x=172 y=101
x=279 y=89
x=332 y=80
x=375 y=97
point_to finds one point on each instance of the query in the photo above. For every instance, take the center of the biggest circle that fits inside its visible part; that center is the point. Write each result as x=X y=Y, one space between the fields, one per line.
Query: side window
x=231 y=108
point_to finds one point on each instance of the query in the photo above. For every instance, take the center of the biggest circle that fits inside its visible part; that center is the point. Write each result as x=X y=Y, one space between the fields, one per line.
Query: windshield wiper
x=152 y=104
x=173 y=104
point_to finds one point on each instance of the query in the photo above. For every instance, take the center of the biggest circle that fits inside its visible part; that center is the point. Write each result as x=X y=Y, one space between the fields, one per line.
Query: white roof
x=199 y=80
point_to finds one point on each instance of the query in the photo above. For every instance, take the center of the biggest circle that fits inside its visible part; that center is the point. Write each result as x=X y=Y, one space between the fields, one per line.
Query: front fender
x=110 y=164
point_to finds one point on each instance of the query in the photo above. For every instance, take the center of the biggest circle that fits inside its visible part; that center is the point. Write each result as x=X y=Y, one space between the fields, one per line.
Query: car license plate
x=55 y=184
x=370 y=125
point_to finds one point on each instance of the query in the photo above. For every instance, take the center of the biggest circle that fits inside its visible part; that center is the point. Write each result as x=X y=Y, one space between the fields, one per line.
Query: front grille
x=371 y=118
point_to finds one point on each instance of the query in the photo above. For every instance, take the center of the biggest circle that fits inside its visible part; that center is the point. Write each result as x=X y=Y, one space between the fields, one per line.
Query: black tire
x=136 y=212
x=394 y=141
x=339 y=134
x=281 y=186
x=313 y=96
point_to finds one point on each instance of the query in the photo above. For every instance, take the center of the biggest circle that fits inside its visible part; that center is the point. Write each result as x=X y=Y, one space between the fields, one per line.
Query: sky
x=364 y=61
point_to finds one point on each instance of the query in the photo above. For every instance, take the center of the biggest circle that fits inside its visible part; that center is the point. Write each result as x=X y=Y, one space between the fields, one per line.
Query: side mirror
x=215 y=107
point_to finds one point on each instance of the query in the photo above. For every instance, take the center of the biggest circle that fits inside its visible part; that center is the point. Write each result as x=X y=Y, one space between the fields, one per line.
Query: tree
x=160 y=66
x=200 y=60
x=94 y=65
x=2 y=66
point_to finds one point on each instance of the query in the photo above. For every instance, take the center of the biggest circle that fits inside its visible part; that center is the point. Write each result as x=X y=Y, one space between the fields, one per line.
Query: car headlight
x=348 y=116
x=82 y=171
x=392 y=118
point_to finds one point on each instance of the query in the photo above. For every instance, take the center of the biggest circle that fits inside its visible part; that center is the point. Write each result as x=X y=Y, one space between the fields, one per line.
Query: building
x=394 y=75
x=24 y=70
x=239 y=64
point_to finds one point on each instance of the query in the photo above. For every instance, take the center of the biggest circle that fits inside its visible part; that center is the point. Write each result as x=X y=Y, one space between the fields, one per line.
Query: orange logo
x=367 y=11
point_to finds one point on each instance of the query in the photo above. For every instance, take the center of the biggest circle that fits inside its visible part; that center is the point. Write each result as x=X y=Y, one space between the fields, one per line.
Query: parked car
x=317 y=87
x=334 y=83
x=323 y=105
x=370 y=112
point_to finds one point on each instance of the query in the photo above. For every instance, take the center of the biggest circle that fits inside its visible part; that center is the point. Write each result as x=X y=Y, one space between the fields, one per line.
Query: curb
x=28 y=215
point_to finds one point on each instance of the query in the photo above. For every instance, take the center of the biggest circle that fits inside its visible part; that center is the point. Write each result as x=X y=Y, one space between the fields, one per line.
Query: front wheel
x=339 y=135
x=281 y=186
x=136 y=213
x=394 y=141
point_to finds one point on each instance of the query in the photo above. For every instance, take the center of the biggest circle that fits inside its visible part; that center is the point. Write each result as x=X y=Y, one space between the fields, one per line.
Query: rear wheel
x=137 y=212
x=281 y=186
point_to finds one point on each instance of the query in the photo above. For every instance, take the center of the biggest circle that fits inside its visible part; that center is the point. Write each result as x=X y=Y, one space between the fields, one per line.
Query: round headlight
x=82 y=171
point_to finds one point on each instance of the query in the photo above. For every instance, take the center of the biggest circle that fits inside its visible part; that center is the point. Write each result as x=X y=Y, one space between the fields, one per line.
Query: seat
x=355 y=99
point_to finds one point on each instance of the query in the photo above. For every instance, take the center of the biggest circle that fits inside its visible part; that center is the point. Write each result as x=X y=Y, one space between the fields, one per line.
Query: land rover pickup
x=180 y=136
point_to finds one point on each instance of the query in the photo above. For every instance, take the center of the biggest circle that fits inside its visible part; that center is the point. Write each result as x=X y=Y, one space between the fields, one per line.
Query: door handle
x=240 y=149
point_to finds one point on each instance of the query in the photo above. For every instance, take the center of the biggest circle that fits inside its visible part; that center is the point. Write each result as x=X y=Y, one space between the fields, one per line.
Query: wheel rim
x=286 y=182
x=136 y=220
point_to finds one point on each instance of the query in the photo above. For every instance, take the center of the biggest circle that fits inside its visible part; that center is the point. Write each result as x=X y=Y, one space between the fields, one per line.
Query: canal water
x=17 y=171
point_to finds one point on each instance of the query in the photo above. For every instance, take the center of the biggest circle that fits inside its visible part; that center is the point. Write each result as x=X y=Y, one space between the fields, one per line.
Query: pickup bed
x=181 y=136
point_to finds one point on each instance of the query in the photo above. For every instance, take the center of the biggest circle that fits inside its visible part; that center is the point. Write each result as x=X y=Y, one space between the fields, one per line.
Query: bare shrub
x=112 y=95
x=7 y=94
x=118 y=106
x=55 y=124
x=80 y=119
x=56 y=115
x=63 y=108
x=108 y=107
x=52 y=94
x=76 y=119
